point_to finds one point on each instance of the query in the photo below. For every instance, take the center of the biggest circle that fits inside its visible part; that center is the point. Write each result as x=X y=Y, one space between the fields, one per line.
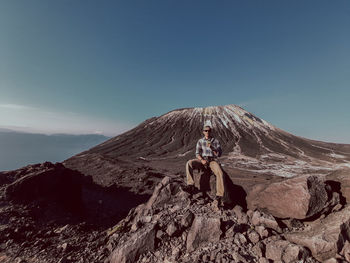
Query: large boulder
x=325 y=237
x=53 y=181
x=135 y=245
x=341 y=180
x=164 y=191
x=301 y=197
x=203 y=229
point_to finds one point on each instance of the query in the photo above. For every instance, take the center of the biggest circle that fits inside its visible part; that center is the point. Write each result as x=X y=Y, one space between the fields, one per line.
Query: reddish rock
x=263 y=232
x=275 y=249
x=327 y=237
x=253 y=236
x=135 y=245
x=346 y=251
x=187 y=219
x=282 y=250
x=258 y=249
x=203 y=229
x=299 y=197
x=162 y=193
x=260 y=218
x=343 y=178
x=242 y=217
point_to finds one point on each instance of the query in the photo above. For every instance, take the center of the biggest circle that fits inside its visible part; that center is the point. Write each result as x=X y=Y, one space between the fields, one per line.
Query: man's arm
x=217 y=149
x=199 y=150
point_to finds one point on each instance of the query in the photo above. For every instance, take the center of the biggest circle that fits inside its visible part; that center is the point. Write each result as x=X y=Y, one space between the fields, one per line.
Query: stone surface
x=343 y=178
x=242 y=217
x=327 y=237
x=199 y=234
x=261 y=218
x=345 y=252
x=299 y=197
x=257 y=249
x=138 y=243
x=282 y=250
x=274 y=249
x=163 y=191
x=172 y=229
x=253 y=236
x=262 y=231
x=187 y=219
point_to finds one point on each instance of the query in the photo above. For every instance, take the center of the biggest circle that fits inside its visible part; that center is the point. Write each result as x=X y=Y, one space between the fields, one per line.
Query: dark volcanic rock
x=55 y=182
x=299 y=197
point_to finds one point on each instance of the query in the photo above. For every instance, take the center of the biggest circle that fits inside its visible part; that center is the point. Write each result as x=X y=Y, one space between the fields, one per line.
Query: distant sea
x=19 y=149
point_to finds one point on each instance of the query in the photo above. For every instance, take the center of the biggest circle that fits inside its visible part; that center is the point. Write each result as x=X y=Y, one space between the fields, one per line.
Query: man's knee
x=215 y=167
x=189 y=163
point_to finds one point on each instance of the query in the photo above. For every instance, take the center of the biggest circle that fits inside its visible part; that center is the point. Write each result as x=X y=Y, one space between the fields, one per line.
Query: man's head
x=207 y=131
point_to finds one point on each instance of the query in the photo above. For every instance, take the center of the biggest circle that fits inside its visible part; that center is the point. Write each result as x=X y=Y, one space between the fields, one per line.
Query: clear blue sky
x=104 y=66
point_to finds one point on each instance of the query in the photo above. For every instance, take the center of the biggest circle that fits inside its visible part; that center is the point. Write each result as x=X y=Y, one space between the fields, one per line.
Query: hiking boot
x=191 y=189
x=218 y=201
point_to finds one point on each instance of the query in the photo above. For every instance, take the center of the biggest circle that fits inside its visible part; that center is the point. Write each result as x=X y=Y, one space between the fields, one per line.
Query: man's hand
x=204 y=162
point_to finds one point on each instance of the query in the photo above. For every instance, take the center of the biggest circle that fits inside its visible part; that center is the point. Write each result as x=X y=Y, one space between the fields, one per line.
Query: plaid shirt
x=203 y=150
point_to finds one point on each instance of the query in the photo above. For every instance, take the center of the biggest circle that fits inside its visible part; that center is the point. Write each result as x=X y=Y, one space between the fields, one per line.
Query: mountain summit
x=175 y=134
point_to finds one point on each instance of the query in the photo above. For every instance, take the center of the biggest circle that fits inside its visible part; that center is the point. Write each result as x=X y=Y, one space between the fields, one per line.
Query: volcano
x=250 y=145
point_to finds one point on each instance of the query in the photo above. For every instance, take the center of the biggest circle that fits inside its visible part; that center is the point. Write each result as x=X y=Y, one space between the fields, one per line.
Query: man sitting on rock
x=208 y=149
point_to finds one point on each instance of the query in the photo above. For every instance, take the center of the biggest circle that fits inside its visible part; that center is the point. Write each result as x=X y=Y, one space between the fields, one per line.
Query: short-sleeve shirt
x=204 y=150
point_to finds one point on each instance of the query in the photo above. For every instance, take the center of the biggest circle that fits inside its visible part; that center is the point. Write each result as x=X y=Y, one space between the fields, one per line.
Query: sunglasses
x=207 y=130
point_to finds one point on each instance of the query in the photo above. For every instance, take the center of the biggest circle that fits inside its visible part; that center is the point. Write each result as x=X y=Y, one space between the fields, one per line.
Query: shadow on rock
x=234 y=194
x=61 y=195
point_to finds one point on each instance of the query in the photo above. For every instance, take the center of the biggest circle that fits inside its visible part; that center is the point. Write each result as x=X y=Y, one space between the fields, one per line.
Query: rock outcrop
x=196 y=236
x=341 y=180
x=174 y=225
x=189 y=228
x=326 y=237
x=52 y=181
x=137 y=244
x=300 y=198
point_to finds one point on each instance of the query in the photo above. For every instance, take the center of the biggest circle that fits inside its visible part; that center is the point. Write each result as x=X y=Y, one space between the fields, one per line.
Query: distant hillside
x=19 y=149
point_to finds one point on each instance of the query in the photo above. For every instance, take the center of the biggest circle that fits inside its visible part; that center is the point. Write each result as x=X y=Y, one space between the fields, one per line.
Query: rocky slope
x=174 y=226
x=50 y=213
